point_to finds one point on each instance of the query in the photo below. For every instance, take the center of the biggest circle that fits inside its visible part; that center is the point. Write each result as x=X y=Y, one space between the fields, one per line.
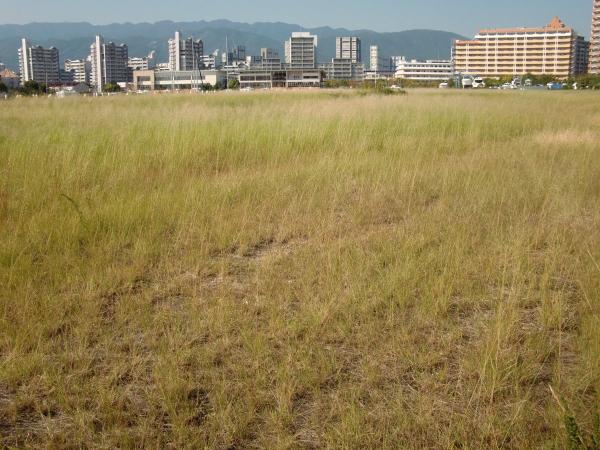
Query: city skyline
x=383 y=15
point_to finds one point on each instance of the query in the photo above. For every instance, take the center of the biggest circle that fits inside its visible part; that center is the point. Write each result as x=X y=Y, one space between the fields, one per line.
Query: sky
x=461 y=16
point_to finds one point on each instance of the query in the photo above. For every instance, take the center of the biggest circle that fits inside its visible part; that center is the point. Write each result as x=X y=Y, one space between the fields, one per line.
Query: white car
x=478 y=83
x=443 y=85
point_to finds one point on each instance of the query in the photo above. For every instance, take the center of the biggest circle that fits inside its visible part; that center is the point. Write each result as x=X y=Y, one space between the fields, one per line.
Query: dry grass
x=300 y=270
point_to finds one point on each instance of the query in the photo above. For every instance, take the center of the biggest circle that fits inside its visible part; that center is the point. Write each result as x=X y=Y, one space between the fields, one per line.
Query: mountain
x=74 y=39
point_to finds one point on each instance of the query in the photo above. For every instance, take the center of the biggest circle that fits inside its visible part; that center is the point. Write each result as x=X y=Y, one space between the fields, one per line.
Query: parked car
x=478 y=83
x=444 y=85
x=554 y=86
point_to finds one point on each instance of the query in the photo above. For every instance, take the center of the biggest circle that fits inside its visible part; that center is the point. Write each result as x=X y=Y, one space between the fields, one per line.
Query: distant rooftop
x=555 y=25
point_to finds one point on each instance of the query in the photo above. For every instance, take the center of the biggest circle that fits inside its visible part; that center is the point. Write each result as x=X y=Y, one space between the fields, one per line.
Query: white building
x=374 y=58
x=38 y=64
x=185 y=54
x=379 y=65
x=430 y=70
x=162 y=67
x=80 y=69
x=109 y=63
x=168 y=80
x=284 y=78
x=348 y=48
x=301 y=51
x=211 y=61
x=145 y=63
x=595 y=39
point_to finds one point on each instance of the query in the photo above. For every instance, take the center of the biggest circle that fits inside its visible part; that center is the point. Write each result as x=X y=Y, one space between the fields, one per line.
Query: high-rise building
x=348 y=48
x=109 y=63
x=595 y=40
x=185 y=54
x=581 y=55
x=374 y=58
x=551 y=50
x=80 y=69
x=38 y=64
x=301 y=51
x=239 y=53
x=378 y=63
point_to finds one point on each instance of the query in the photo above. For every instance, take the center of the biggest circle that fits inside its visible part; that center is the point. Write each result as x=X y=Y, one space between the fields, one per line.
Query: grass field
x=301 y=270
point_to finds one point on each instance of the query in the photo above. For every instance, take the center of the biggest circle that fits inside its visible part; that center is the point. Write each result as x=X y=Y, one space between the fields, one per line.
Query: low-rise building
x=10 y=79
x=269 y=59
x=344 y=69
x=283 y=78
x=430 y=70
x=142 y=63
x=211 y=61
x=154 y=80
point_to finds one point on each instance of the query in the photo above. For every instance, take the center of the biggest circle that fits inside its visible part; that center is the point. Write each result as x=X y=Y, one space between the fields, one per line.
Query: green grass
x=300 y=270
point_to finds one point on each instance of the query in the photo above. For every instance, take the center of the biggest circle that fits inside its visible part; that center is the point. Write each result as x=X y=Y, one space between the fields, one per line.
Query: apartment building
x=185 y=54
x=430 y=70
x=595 y=40
x=79 y=69
x=301 y=51
x=108 y=63
x=581 y=52
x=550 y=50
x=348 y=48
x=38 y=64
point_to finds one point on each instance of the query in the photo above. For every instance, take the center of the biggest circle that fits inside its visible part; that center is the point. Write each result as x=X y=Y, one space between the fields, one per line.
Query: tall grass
x=300 y=270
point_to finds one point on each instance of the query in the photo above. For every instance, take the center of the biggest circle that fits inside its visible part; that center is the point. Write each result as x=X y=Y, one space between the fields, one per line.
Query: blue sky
x=461 y=16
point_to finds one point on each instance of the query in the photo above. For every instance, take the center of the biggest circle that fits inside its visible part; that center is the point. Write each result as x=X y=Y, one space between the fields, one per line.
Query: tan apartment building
x=595 y=40
x=551 y=50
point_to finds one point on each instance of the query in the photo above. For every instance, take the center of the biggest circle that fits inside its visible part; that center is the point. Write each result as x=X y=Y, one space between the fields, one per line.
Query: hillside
x=74 y=39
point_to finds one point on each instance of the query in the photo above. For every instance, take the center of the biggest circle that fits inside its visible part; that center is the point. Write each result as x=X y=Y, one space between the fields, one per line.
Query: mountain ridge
x=74 y=38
